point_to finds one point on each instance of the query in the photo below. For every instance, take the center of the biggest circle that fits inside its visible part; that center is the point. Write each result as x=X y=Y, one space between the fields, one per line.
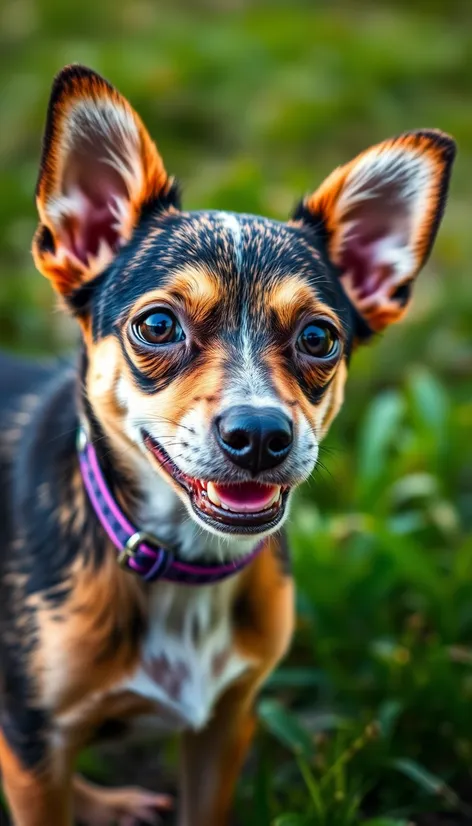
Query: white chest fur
x=187 y=656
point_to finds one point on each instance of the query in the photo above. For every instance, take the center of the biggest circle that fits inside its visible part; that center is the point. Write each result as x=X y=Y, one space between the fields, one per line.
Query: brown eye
x=318 y=340
x=158 y=327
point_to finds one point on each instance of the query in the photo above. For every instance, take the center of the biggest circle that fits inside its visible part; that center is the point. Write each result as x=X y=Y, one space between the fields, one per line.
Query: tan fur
x=87 y=615
x=36 y=798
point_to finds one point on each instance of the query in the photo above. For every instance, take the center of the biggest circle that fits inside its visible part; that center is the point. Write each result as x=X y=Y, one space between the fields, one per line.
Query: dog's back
x=18 y=377
x=22 y=385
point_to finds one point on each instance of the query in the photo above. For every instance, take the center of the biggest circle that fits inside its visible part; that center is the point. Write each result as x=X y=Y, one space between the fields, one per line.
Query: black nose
x=254 y=438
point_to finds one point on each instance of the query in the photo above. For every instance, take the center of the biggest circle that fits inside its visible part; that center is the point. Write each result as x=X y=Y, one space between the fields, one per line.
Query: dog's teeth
x=274 y=498
x=212 y=495
x=203 y=484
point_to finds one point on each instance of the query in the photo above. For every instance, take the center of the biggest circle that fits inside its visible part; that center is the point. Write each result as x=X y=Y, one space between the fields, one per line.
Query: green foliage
x=252 y=104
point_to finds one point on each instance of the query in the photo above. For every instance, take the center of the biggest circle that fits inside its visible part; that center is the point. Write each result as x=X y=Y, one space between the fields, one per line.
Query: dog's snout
x=254 y=438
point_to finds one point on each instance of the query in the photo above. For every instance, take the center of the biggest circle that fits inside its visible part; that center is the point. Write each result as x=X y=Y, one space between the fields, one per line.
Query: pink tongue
x=248 y=497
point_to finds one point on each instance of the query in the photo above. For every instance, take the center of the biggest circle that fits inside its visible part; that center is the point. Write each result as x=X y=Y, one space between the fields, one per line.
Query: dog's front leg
x=212 y=760
x=38 y=796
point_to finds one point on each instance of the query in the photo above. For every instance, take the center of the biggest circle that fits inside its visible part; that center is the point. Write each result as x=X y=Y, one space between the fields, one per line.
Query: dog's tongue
x=248 y=497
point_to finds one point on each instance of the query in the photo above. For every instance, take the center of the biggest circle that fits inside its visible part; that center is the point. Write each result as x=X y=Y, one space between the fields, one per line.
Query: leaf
x=324 y=721
x=297 y=678
x=380 y=426
x=414 y=486
x=429 y=401
x=431 y=783
x=262 y=789
x=411 y=562
x=286 y=727
x=388 y=715
x=313 y=788
x=407 y=522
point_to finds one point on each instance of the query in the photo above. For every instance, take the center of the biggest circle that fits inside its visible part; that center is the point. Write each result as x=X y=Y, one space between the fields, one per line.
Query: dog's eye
x=318 y=340
x=158 y=327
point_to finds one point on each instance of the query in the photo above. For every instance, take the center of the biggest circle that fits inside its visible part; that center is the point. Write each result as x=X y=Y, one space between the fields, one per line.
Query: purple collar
x=138 y=551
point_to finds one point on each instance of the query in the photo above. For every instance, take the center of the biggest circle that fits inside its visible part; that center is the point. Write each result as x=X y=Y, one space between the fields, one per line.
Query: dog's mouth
x=242 y=507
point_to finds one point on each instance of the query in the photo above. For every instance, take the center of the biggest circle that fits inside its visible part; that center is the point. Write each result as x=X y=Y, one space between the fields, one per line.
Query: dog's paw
x=132 y=806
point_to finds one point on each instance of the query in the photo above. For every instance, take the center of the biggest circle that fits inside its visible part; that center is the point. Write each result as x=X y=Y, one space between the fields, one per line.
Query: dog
x=144 y=568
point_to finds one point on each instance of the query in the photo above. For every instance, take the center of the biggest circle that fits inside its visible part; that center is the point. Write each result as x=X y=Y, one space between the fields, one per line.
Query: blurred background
x=252 y=104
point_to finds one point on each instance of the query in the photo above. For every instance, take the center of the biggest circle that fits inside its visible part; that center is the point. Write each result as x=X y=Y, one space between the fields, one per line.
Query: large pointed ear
x=99 y=168
x=380 y=214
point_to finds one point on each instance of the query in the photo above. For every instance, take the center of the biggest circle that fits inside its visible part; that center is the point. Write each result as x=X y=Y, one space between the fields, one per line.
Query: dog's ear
x=380 y=214
x=99 y=168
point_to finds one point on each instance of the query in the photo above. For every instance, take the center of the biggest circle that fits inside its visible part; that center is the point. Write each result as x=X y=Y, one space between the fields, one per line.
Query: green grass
x=369 y=721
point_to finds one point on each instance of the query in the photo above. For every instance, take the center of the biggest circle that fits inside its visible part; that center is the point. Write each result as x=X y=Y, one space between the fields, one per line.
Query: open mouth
x=242 y=507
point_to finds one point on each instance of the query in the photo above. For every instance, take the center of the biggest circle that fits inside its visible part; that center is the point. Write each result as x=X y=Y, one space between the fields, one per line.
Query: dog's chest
x=188 y=655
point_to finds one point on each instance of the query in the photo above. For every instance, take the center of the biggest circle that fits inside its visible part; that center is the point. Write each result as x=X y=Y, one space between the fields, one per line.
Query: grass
x=368 y=721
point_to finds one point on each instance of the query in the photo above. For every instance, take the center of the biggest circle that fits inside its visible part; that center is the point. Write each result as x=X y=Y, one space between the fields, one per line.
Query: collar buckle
x=135 y=540
x=82 y=439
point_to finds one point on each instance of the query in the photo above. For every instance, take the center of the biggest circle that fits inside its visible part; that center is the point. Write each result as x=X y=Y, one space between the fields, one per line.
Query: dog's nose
x=254 y=438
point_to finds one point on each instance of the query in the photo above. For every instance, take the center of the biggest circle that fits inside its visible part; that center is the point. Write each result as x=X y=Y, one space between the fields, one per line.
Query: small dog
x=143 y=569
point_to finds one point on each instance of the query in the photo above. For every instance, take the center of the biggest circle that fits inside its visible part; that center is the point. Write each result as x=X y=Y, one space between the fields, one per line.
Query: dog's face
x=228 y=362
x=218 y=343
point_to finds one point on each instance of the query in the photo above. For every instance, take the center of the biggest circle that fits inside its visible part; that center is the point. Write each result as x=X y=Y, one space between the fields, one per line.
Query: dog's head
x=218 y=343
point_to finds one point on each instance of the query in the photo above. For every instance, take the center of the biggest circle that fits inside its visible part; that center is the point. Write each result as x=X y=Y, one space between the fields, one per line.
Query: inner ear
x=374 y=248
x=99 y=170
x=380 y=214
x=96 y=194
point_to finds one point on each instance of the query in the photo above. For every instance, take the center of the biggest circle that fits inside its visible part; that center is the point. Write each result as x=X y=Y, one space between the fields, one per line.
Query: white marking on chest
x=187 y=655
